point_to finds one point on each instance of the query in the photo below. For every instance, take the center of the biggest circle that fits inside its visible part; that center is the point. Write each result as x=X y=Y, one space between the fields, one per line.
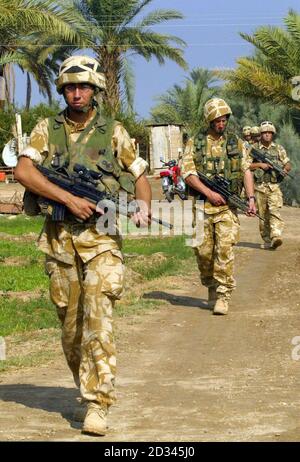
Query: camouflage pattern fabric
x=121 y=144
x=269 y=200
x=214 y=149
x=214 y=108
x=85 y=269
x=283 y=160
x=215 y=257
x=84 y=295
x=87 y=71
x=268 y=205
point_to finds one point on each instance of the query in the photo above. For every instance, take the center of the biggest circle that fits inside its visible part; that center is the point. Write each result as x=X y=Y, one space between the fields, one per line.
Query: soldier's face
x=219 y=124
x=78 y=96
x=267 y=136
x=247 y=137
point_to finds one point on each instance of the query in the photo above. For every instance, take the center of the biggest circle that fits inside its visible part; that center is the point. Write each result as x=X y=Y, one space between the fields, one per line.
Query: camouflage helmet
x=214 y=108
x=246 y=130
x=80 y=69
x=255 y=131
x=267 y=126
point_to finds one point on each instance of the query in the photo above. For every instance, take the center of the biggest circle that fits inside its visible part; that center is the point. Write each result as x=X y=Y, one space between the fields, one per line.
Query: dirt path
x=185 y=375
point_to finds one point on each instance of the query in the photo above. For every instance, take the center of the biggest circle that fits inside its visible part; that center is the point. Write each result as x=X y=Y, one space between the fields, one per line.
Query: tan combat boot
x=95 y=421
x=221 y=306
x=80 y=411
x=212 y=297
x=276 y=242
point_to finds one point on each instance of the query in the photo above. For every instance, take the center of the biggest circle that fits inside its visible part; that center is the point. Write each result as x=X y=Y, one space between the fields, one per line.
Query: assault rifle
x=220 y=185
x=83 y=183
x=260 y=156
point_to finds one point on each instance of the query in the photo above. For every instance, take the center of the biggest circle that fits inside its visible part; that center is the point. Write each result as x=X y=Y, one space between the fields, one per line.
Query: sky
x=211 y=31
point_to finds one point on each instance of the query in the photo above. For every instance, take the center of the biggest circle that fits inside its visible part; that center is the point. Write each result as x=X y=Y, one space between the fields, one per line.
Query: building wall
x=165 y=143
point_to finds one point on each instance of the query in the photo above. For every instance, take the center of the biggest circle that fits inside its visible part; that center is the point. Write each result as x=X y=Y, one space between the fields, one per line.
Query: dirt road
x=184 y=374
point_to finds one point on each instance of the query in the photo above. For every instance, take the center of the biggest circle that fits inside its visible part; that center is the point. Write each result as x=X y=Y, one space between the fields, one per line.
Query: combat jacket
x=214 y=161
x=42 y=149
x=268 y=180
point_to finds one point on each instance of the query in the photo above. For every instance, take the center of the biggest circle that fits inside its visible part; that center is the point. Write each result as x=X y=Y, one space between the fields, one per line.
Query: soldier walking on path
x=267 y=187
x=216 y=151
x=85 y=265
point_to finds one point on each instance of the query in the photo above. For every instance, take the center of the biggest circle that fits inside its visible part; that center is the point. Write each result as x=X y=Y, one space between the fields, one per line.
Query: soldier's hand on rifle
x=265 y=166
x=80 y=207
x=216 y=198
x=142 y=217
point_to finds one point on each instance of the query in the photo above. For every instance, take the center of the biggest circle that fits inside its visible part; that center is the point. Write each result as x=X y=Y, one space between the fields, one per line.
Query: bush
x=29 y=120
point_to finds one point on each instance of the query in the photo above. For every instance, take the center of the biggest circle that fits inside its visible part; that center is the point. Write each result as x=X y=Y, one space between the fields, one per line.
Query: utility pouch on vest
x=30 y=204
x=274 y=178
x=235 y=162
x=259 y=175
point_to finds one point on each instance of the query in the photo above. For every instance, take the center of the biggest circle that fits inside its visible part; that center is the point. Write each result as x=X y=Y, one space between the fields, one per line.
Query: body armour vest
x=269 y=176
x=93 y=150
x=228 y=164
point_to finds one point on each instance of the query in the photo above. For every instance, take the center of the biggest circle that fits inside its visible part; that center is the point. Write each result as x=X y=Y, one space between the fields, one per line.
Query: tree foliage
x=184 y=104
x=122 y=33
x=268 y=73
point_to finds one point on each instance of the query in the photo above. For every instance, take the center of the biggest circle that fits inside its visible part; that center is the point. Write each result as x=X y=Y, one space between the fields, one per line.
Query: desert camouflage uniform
x=86 y=275
x=215 y=256
x=269 y=199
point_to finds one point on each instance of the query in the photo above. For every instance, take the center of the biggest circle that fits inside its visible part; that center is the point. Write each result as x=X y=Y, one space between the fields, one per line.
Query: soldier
x=255 y=135
x=247 y=133
x=85 y=266
x=216 y=151
x=267 y=189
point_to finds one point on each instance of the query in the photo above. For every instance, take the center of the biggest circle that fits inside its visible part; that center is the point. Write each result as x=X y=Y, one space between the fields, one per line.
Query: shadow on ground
x=178 y=300
x=51 y=399
x=249 y=245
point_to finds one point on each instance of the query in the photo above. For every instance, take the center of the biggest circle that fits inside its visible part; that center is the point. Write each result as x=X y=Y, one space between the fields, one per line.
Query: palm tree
x=184 y=104
x=26 y=29
x=122 y=35
x=268 y=74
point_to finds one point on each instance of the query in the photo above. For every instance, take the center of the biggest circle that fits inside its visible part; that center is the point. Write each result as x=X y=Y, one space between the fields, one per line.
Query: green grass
x=21 y=224
x=30 y=360
x=17 y=316
x=19 y=249
x=135 y=305
x=156 y=269
x=19 y=278
x=173 y=246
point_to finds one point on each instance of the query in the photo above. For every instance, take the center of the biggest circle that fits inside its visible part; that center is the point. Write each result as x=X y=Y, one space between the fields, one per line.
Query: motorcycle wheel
x=169 y=196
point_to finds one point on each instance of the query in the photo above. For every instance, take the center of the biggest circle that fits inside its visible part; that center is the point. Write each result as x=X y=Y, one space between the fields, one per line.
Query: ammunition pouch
x=30 y=204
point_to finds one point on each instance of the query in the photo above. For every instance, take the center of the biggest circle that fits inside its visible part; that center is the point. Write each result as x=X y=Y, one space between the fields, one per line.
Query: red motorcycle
x=172 y=182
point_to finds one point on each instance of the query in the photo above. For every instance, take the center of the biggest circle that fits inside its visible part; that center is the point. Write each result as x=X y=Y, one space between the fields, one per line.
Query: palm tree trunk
x=110 y=64
x=28 y=92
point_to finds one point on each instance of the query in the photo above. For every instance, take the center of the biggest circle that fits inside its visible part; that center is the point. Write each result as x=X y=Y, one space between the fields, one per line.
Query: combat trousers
x=84 y=295
x=268 y=204
x=215 y=256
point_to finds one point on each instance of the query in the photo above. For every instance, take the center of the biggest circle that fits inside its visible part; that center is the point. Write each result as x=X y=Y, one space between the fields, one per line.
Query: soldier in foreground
x=218 y=152
x=267 y=189
x=85 y=265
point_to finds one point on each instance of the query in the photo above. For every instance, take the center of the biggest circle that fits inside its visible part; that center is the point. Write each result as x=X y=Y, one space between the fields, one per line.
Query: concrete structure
x=165 y=144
